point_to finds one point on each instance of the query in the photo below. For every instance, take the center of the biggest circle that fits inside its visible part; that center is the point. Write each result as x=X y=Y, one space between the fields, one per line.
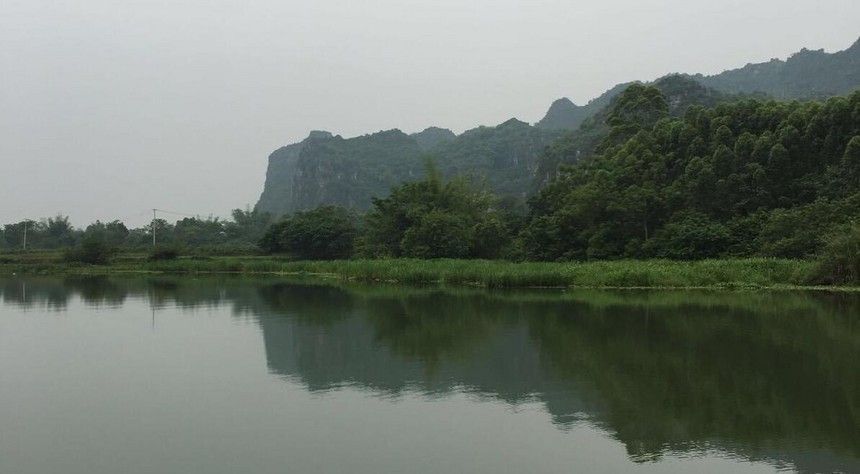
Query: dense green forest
x=749 y=177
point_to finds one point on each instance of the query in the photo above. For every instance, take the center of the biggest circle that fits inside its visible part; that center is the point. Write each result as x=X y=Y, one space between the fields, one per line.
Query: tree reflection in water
x=772 y=375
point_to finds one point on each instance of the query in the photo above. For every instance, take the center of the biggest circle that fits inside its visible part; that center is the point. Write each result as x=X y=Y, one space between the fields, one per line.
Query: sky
x=111 y=108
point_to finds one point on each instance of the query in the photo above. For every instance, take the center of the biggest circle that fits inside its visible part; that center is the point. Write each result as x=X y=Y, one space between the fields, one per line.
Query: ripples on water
x=265 y=375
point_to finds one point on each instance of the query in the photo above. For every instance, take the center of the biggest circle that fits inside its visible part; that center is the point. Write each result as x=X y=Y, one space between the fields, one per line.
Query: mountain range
x=515 y=158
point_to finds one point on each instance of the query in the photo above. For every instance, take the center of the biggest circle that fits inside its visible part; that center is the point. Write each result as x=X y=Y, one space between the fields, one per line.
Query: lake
x=238 y=375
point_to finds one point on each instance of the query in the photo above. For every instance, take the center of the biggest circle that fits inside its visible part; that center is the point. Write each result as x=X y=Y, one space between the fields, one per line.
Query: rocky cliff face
x=326 y=169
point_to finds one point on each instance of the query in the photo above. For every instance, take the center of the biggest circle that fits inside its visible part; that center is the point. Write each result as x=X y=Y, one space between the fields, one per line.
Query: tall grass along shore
x=716 y=273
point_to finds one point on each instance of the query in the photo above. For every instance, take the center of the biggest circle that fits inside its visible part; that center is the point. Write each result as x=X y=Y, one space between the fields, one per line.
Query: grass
x=717 y=273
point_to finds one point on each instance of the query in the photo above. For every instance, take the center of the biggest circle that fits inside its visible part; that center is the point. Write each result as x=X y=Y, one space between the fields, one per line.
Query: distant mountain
x=565 y=115
x=432 y=137
x=505 y=156
x=804 y=75
x=514 y=158
x=327 y=169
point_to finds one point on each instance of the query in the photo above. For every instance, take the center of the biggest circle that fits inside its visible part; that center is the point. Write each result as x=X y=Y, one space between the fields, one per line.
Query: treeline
x=241 y=234
x=747 y=177
x=742 y=178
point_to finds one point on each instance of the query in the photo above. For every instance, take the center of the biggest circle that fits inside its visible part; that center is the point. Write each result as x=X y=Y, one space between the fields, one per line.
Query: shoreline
x=715 y=274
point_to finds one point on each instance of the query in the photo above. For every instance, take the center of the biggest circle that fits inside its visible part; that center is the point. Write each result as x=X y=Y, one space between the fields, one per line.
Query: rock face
x=325 y=169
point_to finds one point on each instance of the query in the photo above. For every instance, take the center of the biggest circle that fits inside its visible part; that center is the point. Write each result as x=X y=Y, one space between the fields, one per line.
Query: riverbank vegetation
x=723 y=273
x=749 y=192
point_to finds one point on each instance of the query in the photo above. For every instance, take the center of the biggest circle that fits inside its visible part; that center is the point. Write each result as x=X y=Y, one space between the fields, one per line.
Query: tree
x=437 y=234
x=741 y=178
x=323 y=233
x=432 y=218
x=92 y=250
x=113 y=233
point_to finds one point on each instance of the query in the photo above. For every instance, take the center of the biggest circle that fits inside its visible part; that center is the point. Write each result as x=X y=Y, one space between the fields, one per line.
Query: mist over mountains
x=515 y=158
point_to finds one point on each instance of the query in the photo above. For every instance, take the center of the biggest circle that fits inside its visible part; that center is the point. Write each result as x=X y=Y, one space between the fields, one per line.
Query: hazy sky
x=109 y=108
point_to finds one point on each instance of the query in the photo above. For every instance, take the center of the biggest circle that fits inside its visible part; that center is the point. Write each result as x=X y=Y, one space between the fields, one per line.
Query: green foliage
x=270 y=242
x=723 y=273
x=742 y=178
x=52 y=233
x=326 y=232
x=623 y=111
x=113 y=233
x=92 y=250
x=163 y=253
x=690 y=236
x=433 y=219
x=839 y=262
x=437 y=234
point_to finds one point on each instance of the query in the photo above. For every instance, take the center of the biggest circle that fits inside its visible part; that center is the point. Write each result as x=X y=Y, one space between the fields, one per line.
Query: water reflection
x=772 y=376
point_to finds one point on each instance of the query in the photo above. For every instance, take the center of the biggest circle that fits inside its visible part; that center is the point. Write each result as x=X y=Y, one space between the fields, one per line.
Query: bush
x=839 y=261
x=271 y=240
x=689 y=237
x=434 y=219
x=324 y=233
x=92 y=250
x=437 y=235
x=163 y=253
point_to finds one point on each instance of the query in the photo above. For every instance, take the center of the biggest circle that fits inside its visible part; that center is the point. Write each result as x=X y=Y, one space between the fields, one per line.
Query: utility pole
x=25 y=234
x=153 y=228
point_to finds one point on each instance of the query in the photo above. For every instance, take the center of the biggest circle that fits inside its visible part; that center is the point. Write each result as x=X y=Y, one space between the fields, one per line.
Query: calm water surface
x=219 y=375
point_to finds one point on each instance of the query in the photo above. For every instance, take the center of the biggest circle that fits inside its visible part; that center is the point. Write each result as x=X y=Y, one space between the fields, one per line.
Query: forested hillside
x=750 y=177
x=804 y=75
x=563 y=114
x=679 y=93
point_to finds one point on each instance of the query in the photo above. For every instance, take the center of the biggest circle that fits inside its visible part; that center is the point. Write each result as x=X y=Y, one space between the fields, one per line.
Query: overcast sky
x=109 y=108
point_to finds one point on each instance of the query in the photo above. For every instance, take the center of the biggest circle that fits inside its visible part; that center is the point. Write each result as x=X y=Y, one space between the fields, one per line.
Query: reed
x=717 y=273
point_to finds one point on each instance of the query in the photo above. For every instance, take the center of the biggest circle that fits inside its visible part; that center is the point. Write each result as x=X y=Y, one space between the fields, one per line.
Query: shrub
x=839 y=261
x=323 y=233
x=690 y=236
x=163 y=253
x=92 y=250
x=437 y=235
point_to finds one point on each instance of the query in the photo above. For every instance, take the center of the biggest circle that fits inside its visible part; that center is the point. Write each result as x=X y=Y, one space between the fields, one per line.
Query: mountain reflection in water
x=771 y=376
